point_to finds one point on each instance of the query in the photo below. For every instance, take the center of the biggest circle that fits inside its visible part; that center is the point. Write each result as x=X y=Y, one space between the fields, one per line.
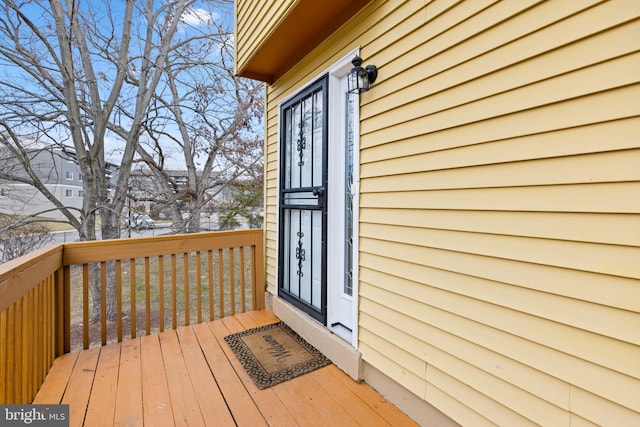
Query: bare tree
x=77 y=73
x=211 y=118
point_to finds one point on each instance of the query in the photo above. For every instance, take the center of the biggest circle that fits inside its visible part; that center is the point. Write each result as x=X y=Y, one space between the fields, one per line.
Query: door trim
x=336 y=266
x=335 y=72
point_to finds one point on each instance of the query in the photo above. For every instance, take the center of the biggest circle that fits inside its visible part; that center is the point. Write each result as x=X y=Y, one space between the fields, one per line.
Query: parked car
x=140 y=222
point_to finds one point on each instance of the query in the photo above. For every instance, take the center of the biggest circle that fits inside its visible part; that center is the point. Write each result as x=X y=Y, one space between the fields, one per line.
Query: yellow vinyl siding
x=528 y=323
x=613 y=229
x=455 y=153
x=455 y=102
x=541 y=411
x=611 y=291
x=617 y=166
x=603 y=198
x=590 y=316
x=499 y=204
x=429 y=322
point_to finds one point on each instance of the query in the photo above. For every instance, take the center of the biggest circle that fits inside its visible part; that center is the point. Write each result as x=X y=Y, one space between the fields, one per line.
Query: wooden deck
x=190 y=377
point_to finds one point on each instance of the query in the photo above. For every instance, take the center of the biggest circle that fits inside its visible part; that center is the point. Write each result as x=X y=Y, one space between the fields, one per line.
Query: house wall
x=499 y=206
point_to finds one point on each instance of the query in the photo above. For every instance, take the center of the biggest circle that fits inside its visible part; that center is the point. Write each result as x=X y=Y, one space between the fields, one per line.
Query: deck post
x=59 y=312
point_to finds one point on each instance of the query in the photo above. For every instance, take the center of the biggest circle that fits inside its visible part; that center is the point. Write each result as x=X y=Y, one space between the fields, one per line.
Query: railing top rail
x=115 y=249
x=19 y=276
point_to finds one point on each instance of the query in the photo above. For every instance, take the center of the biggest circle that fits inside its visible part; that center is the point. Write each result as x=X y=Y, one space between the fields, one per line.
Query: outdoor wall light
x=361 y=78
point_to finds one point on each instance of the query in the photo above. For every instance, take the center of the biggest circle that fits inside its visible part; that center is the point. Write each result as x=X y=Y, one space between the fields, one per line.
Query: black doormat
x=274 y=353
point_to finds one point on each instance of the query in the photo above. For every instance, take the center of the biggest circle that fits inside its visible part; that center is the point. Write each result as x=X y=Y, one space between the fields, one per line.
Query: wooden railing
x=144 y=286
x=31 y=322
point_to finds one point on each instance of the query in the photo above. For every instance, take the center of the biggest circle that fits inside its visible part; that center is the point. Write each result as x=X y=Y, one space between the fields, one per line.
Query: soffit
x=307 y=24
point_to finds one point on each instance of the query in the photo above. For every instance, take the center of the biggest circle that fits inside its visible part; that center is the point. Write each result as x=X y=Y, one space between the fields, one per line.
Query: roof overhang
x=306 y=25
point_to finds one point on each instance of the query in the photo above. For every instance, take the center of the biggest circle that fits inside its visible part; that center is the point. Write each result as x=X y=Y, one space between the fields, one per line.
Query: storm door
x=303 y=203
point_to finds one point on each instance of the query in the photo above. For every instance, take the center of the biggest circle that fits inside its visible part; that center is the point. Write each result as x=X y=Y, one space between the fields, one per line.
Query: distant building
x=59 y=171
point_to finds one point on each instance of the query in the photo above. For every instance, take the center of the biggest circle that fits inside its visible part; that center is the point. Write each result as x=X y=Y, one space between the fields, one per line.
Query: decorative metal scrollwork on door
x=300 y=253
x=301 y=143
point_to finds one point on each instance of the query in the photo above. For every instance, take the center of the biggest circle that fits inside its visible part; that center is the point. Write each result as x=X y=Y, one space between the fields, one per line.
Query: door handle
x=320 y=194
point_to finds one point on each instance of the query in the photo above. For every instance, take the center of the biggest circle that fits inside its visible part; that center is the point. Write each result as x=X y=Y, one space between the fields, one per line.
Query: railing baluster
x=174 y=315
x=85 y=306
x=52 y=331
x=11 y=354
x=221 y=282
x=132 y=297
x=49 y=330
x=4 y=350
x=103 y=302
x=64 y=315
x=252 y=262
x=41 y=337
x=147 y=296
x=36 y=343
x=210 y=271
x=232 y=281
x=19 y=347
x=198 y=288
x=258 y=266
x=36 y=313
x=161 y=291
x=34 y=350
x=185 y=275
x=36 y=338
x=118 y=268
x=12 y=333
x=31 y=360
x=243 y=296
x=24 y=359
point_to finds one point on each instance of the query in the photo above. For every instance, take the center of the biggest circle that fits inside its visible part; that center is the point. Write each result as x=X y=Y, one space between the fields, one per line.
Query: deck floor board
x=155 y=387
x=190 y=376
x=129 y=395
x=78 y=390
x=101 y=409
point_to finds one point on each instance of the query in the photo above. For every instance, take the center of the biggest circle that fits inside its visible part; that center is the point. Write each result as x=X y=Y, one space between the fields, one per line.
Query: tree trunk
x=95 y=274
x=110 y=230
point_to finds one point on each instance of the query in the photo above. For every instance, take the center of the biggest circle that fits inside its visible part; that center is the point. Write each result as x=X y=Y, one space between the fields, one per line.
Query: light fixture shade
x=360 y=78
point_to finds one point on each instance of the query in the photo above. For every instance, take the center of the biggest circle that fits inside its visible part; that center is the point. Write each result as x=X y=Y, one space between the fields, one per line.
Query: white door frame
x=335 y=262
x=336 y=208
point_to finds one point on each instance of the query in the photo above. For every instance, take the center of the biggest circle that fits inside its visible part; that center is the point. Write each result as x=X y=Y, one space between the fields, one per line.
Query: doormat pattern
x=274 y=353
